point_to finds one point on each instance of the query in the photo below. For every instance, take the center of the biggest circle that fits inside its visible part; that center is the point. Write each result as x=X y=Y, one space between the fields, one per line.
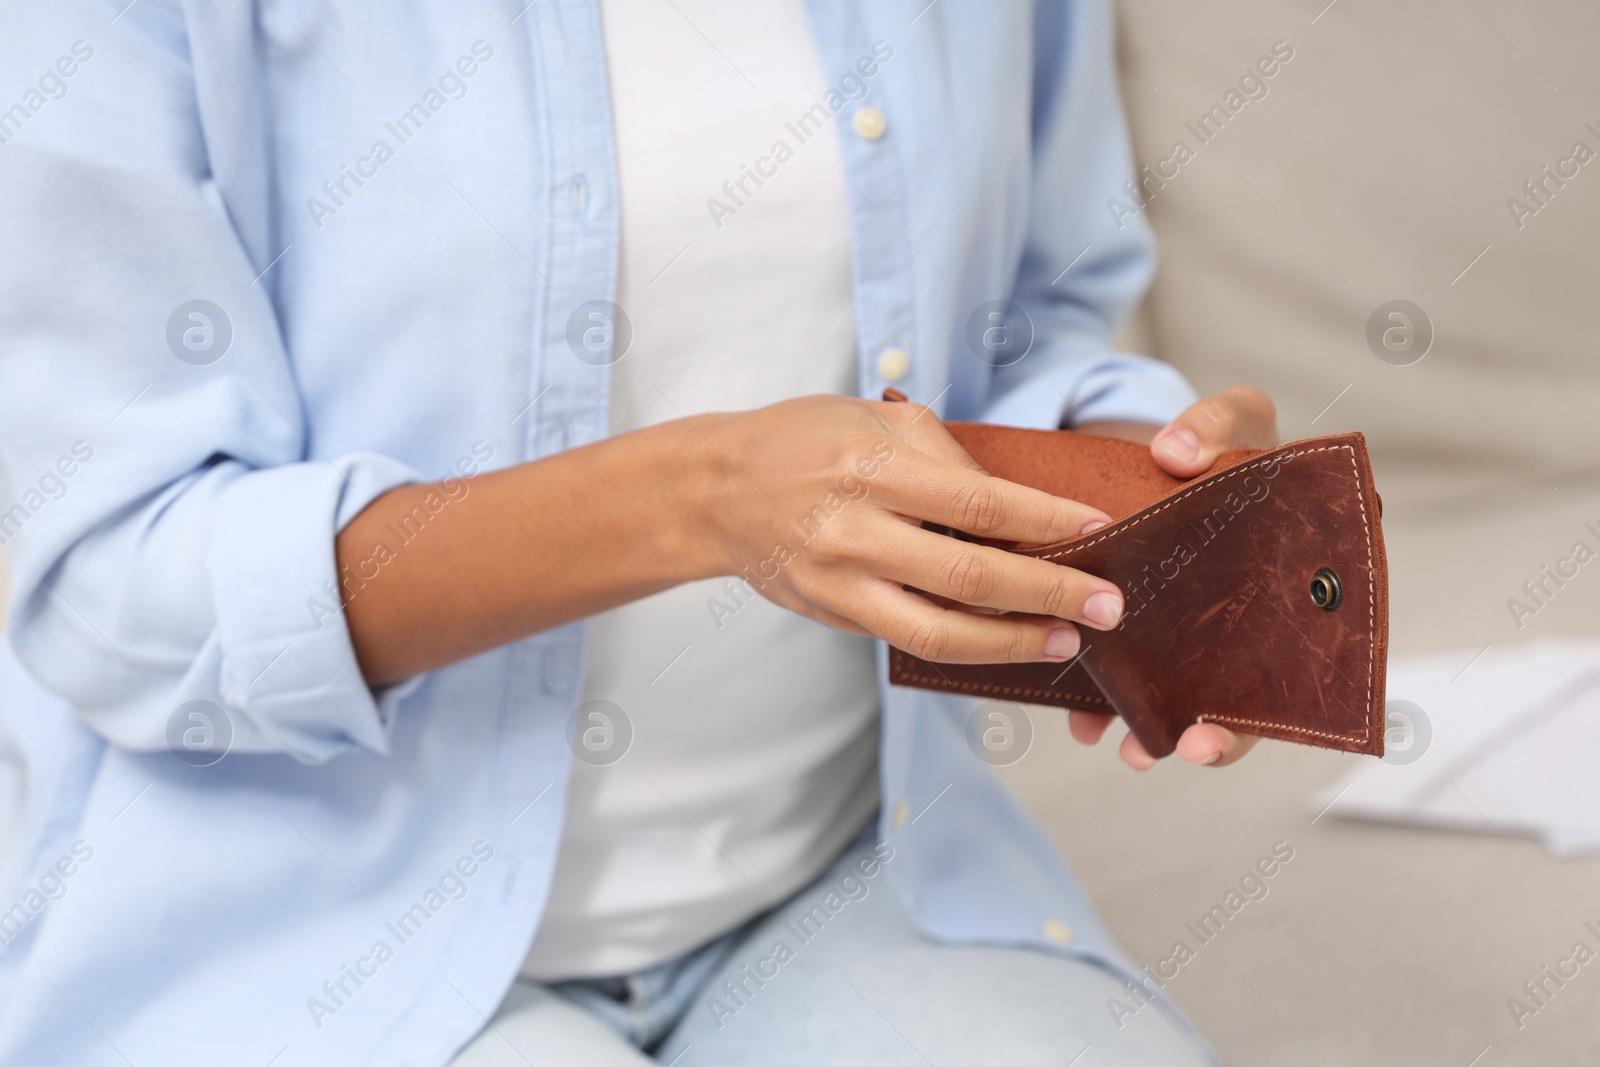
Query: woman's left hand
x=1240 y=417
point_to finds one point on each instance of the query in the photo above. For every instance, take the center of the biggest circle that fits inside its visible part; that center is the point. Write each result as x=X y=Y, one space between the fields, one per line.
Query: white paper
x=1514 y=749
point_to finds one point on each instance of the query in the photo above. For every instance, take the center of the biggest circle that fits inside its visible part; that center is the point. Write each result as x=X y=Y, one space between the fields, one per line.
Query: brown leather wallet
x=1256 y=593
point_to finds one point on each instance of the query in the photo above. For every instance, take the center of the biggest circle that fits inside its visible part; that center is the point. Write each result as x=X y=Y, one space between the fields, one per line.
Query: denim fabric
x=837 y=975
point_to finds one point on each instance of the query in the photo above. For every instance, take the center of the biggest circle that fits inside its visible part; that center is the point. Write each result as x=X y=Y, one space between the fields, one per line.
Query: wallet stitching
x=991 y=687
x=1366 y=528
x=1210 y=484
x=1275 y=726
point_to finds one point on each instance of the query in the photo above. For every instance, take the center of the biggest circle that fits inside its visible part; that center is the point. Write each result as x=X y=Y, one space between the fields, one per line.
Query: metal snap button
x=1326 y=592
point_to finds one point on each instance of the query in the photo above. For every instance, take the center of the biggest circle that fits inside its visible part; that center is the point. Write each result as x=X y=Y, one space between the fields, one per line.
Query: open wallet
x=1256 y=594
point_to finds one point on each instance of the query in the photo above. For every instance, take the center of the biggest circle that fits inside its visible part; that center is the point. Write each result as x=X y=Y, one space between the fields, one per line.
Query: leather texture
x=1220 y=623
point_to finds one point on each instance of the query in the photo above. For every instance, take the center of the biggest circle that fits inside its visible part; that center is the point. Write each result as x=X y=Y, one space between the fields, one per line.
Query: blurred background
x=1375 y=166
x=1382 y=161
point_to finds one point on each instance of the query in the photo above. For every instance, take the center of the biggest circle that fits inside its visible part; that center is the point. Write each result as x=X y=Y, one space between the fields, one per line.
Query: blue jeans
x=836 y=975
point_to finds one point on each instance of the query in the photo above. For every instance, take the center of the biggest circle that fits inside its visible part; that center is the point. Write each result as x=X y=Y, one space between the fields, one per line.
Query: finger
x=934 y=491
x=916 y=625
x=1134 y=754
x=1087 y=727
x=1213 y=745
x=986 y=577
x=923 y=430
x=1233 y=418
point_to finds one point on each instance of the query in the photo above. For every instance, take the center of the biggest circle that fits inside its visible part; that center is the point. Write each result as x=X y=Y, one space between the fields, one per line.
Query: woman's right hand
x=818 y=502
x=819 y=505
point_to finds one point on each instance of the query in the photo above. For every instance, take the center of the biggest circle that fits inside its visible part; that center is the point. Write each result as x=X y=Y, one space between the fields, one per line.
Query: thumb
x=1240 y=417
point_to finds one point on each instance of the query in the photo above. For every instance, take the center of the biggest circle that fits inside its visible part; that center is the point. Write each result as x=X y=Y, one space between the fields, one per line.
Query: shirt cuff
x=287 y=662
x=1114 y=386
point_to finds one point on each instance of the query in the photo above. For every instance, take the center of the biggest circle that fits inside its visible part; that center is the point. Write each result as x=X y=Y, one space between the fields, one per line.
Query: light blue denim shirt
x=393 y=218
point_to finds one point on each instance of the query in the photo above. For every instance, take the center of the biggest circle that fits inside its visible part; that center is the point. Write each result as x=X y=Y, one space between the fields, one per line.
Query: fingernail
x=1092 y=525
x=1209 y=760
x=1180 y=444
x=1062 y=643
x=1103 y=609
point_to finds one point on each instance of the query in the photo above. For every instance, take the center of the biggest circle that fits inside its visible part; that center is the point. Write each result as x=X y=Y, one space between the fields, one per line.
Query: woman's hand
x=1240 y=417
x=820 y=508
x=817 y=502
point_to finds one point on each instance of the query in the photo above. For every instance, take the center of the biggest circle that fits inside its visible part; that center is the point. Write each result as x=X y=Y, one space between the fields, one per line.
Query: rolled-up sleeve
x=168 y=518
x=1087 y=261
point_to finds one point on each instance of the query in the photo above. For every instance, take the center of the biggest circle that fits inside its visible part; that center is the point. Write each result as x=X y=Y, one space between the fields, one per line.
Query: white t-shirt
x=754 y=751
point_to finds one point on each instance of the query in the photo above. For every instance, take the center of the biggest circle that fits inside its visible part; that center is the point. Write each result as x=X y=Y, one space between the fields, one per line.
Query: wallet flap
x=1118 y=477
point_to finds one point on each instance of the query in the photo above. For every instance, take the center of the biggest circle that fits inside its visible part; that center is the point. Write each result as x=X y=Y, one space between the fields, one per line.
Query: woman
x=449 y=543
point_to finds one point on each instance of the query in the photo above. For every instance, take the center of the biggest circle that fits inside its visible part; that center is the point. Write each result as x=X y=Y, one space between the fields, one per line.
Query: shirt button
x=1058 y=931
x=894 y=364
x=901 y=810
x=870 y=124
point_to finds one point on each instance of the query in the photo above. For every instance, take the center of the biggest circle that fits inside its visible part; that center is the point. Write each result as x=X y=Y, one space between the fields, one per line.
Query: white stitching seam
x=1361 y=499
x=1276 y=726
x=991 y=687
